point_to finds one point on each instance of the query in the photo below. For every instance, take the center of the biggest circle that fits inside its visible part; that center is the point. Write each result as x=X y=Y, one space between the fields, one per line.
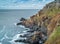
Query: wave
x=17 y=37
x=21 y=26
x=14 y=38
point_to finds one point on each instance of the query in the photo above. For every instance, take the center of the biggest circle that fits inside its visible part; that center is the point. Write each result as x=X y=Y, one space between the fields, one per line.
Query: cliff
x=47 y=21
x=54 y=37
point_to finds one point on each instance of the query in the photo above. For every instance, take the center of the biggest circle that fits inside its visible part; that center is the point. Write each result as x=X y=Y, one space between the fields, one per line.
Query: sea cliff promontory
x=44 y=26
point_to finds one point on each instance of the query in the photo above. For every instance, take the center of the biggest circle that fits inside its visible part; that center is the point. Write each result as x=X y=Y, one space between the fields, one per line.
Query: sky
x=23 y=4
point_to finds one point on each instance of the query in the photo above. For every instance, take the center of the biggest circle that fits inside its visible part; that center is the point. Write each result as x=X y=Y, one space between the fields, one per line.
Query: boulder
x=22 y=19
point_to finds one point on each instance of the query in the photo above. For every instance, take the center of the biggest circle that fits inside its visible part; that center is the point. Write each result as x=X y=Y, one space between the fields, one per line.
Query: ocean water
x=9 y=31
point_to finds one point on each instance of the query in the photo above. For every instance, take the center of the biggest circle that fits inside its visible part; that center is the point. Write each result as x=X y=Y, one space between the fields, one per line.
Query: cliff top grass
x=51 y=9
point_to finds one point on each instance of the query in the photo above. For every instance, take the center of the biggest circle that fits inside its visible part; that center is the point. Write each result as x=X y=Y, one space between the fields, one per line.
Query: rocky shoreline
x=36 y=34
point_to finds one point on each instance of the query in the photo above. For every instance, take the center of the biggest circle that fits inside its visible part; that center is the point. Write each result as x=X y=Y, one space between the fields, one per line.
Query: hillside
x=47 y=21
x=54 y=37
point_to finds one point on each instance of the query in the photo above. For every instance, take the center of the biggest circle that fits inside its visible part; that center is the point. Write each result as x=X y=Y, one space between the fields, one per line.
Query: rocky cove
x=41 y=25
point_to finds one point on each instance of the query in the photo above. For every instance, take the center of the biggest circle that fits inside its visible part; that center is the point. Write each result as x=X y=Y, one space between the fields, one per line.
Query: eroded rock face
x=38 y=36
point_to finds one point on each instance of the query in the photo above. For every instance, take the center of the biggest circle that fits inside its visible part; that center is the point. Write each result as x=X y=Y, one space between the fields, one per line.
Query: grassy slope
x=54 y=37
x=51 y=9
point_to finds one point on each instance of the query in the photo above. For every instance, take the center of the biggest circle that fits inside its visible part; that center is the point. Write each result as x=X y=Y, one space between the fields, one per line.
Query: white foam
x=22 y=26
x=16 y=37
x=24 y=31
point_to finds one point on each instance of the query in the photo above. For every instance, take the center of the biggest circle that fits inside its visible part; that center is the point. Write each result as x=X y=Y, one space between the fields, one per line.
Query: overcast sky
x=23 y=4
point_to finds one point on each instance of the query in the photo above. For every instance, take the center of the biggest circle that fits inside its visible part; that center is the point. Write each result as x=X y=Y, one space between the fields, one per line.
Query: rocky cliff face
x=46 y=20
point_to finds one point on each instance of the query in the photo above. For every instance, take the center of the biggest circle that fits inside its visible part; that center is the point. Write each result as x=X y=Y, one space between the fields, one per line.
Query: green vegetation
x=54 y=37
x=51 y=9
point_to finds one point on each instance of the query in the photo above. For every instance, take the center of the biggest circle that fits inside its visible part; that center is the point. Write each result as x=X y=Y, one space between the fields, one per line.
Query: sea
x=9 y=31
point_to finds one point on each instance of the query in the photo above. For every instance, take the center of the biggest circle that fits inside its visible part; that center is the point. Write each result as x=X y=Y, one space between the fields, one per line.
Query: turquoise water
x=8 y=20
